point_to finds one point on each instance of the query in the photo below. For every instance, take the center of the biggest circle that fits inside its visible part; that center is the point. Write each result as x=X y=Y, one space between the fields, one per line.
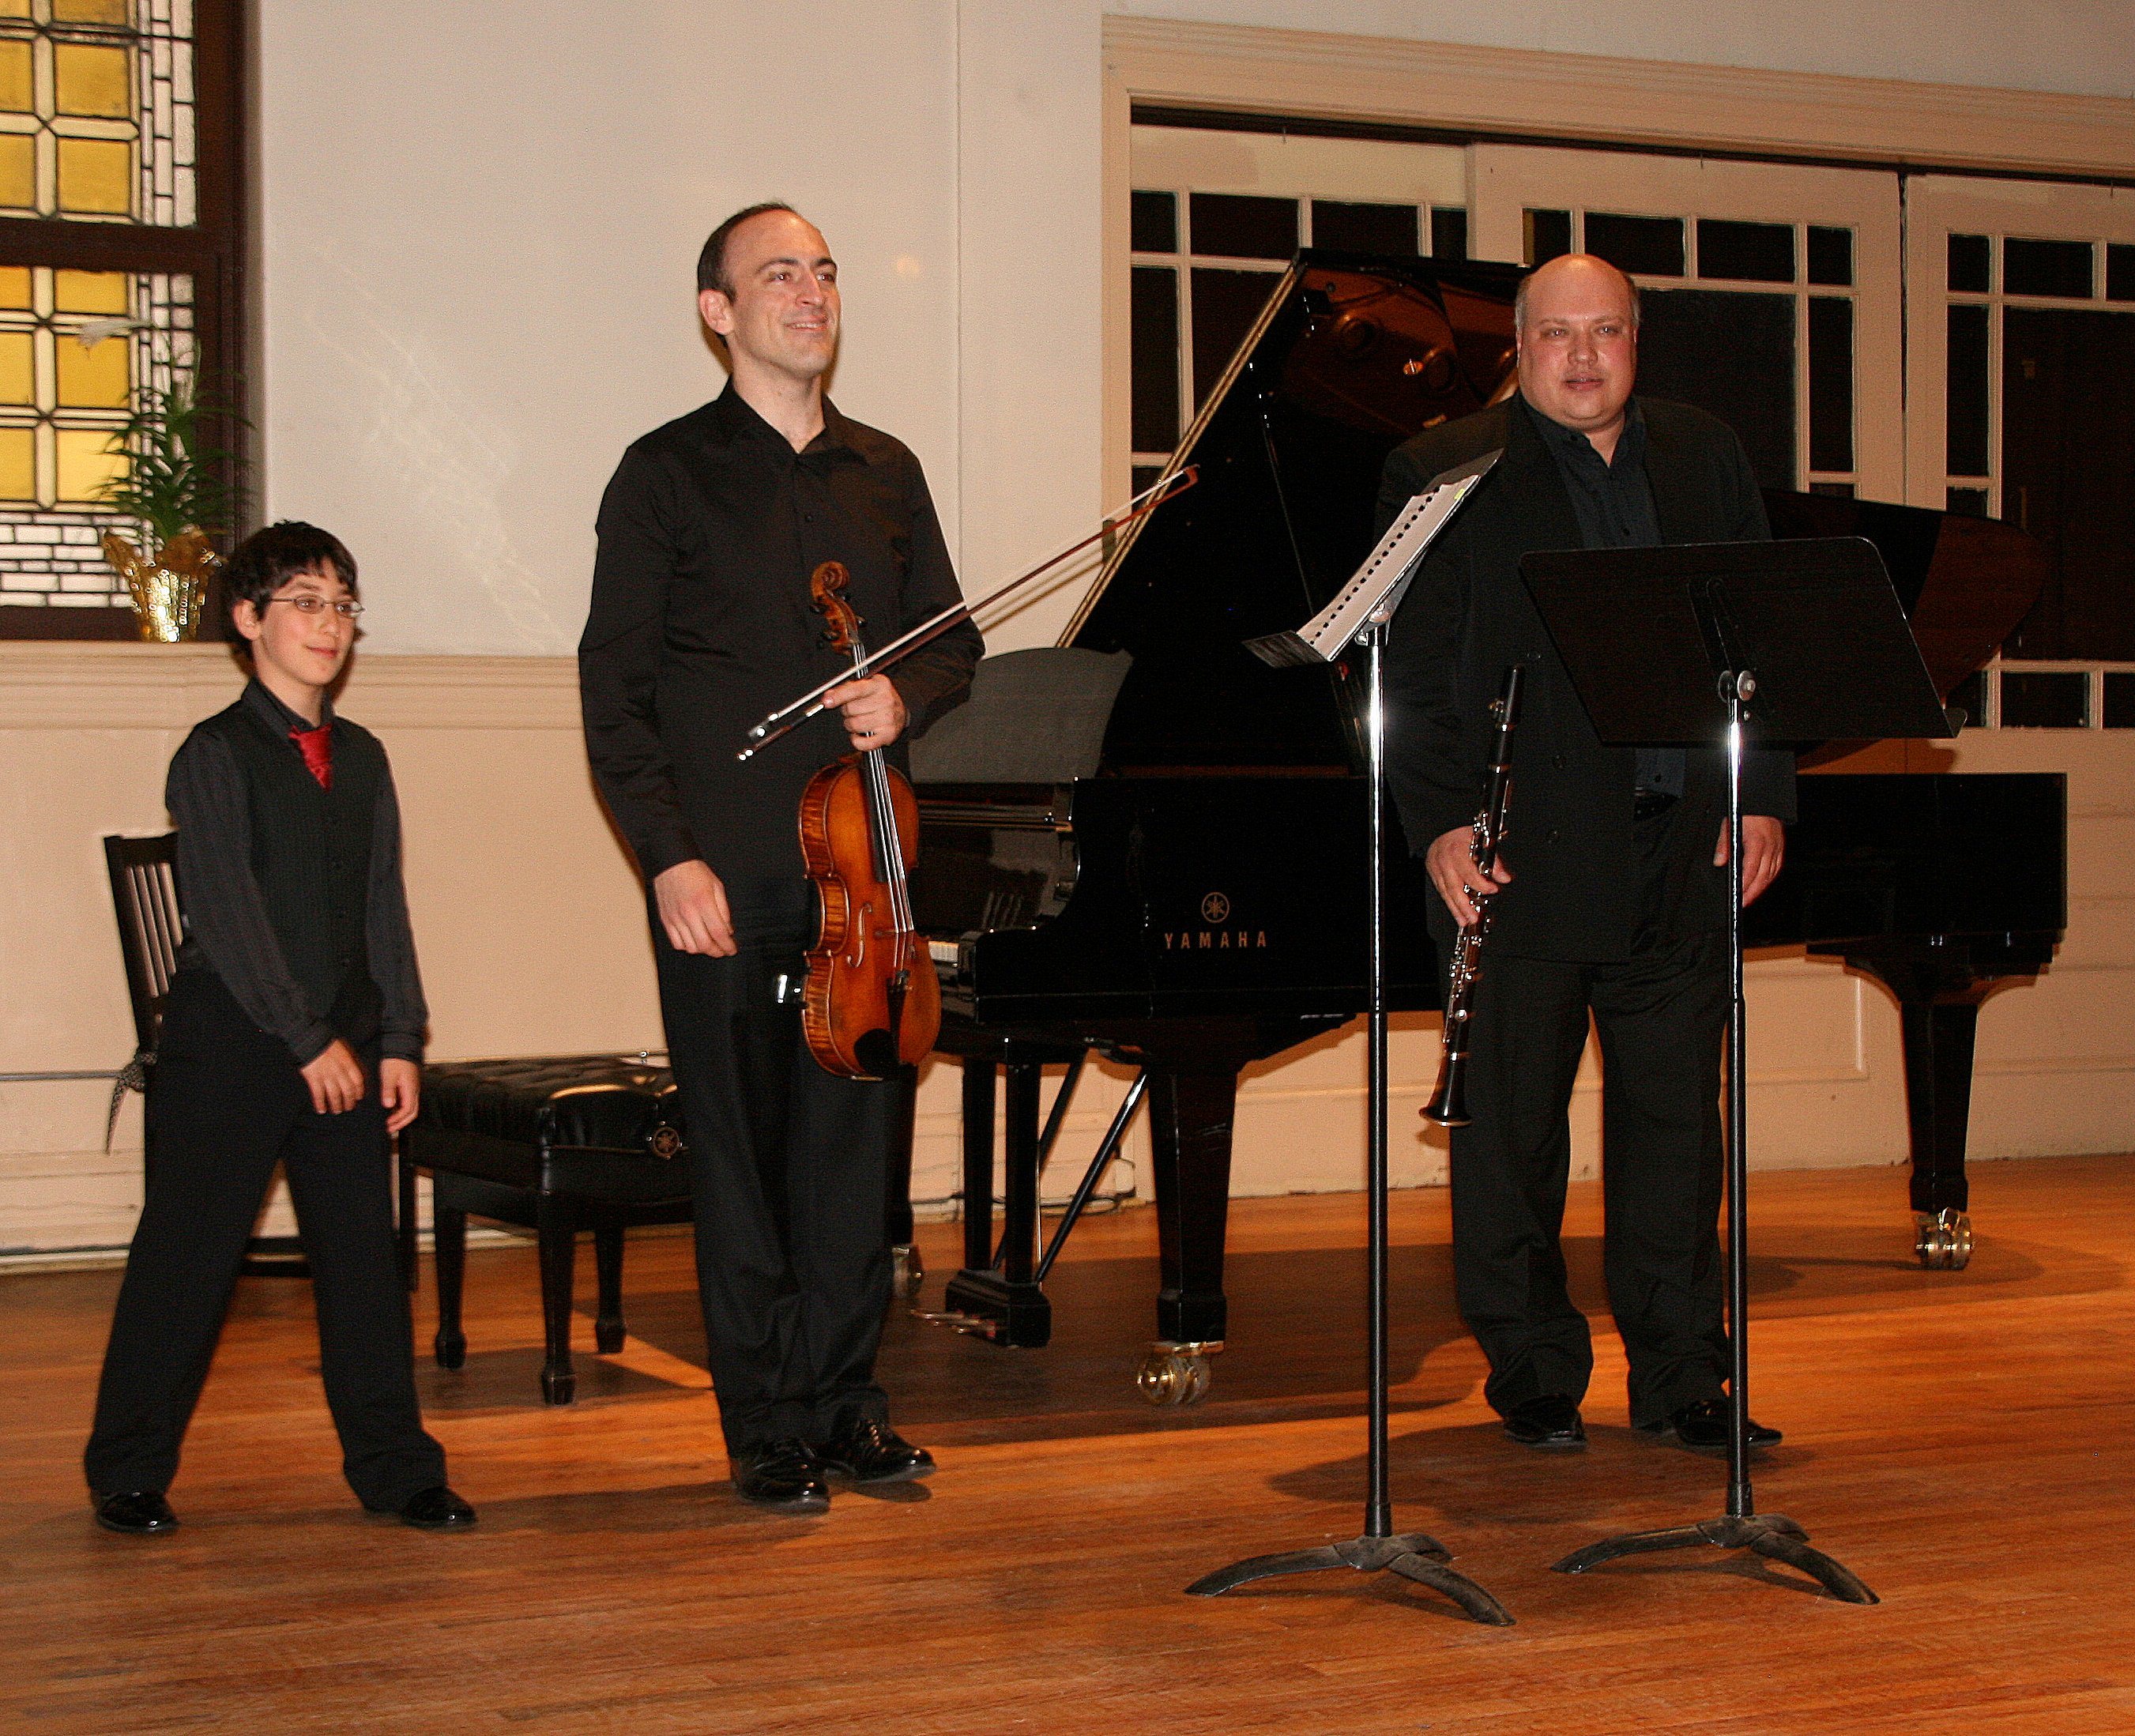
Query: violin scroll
x=841 y=621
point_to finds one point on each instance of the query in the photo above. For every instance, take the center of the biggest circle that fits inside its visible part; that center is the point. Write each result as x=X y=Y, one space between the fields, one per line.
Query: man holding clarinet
x=1608 y=896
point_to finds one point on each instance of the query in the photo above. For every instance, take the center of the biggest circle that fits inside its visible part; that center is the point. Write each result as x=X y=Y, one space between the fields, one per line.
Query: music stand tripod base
x=1413 y=1556
x=1771 y=1535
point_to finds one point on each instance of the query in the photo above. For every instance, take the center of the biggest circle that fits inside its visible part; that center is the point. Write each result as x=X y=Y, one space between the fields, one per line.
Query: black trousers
x=226 y=1105
x=789 y=1168
x=1661 y=1017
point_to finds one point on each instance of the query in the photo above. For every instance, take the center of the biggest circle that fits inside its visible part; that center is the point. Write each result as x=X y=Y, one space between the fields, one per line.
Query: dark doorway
x=1732 y=353
x=2068 y=474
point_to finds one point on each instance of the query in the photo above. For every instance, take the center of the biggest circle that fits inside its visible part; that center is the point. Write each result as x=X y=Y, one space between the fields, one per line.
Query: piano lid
x=1354 y=354
x=1964 y=583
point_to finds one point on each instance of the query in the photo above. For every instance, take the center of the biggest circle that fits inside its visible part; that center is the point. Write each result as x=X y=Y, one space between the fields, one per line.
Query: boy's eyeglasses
x=309 y=605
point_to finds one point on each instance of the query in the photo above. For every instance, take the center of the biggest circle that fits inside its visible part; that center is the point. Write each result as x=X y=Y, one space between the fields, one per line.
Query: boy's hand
x=335 y=1079
x=400 y=1090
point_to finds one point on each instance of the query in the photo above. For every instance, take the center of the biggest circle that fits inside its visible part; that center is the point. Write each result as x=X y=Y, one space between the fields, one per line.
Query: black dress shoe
x=134 y=1512
x=871 y=1452
x=1550 y=1423
x=436 y=1510
x=785 y=1475
x=1703 y=1428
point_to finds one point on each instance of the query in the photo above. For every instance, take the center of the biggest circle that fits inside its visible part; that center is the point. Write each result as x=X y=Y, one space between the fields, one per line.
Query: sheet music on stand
x=1375 y=591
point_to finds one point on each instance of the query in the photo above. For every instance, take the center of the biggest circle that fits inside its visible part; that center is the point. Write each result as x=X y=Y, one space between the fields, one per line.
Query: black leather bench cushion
x=602 y=1124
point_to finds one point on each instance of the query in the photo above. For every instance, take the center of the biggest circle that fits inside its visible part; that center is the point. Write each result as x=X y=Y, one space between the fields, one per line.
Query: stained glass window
x=96 y=110
x=117 y=215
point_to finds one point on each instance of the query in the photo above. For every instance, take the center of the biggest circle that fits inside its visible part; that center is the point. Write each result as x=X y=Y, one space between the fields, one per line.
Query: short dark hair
x=712 y=262
x=268 y=559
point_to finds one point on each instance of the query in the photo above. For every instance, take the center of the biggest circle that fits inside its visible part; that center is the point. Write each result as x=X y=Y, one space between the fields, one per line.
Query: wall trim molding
x=1566 y=97
x=57 y=685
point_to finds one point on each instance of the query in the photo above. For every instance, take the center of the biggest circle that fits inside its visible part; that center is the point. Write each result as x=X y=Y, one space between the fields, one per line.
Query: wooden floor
x=1963 y=1440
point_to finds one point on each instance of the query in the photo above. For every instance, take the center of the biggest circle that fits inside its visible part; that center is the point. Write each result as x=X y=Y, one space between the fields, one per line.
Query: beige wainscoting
x=529 y=924
x=527 y=913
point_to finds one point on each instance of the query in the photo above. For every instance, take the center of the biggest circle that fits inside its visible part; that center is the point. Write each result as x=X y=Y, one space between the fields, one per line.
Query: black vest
x=311 y=855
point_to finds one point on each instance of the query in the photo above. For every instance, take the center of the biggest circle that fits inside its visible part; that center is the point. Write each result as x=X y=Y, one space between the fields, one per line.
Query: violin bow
x=790 y=716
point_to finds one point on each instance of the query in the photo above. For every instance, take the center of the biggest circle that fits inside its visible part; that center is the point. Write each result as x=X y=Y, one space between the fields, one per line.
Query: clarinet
x=1449 y=1104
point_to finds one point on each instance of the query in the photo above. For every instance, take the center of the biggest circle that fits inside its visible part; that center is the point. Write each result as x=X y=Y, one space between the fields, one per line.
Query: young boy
x=293 y=1035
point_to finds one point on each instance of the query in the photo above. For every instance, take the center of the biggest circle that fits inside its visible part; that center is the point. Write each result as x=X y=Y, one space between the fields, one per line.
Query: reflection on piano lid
x=1351 y=356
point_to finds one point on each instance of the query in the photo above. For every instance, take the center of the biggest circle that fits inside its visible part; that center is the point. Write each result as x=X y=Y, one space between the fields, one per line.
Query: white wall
x=479 y=228
x=2075 y=47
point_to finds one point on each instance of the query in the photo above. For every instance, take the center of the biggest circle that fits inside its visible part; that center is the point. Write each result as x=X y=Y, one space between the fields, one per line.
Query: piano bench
x=555 y=1145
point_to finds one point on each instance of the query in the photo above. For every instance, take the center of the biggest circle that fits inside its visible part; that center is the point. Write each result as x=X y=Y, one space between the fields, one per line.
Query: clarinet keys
x=1448 y=1103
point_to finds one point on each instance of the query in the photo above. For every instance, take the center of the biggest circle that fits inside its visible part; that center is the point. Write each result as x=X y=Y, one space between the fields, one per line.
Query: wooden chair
x=144 y=895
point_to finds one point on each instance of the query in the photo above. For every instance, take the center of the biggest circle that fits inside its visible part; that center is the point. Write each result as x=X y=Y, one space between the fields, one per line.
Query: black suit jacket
x=1576 y=891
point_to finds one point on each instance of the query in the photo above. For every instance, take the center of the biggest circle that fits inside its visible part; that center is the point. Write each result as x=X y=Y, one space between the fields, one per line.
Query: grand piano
x=1145 y=843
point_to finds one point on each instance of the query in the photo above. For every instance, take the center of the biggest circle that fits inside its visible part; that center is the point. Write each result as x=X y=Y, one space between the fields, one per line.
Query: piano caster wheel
x=1942 y=1240
x=1176 y=1374
x=907 y=1272
x=451 y=1348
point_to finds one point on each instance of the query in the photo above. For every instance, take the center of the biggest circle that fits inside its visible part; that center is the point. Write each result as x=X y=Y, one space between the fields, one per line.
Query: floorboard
x=1961 y=1440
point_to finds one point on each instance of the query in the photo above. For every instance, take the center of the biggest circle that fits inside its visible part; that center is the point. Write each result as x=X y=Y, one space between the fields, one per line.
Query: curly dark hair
x=268 y=559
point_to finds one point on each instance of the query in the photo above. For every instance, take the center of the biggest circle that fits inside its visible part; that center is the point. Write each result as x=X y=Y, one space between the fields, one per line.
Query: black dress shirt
x=1614 y=499
x=701 y=624
x=226 y=916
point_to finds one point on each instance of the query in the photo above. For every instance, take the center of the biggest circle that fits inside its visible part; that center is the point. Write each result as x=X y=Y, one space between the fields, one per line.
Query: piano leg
x=1190 y=1117
x=1938 y=1010
x=1017 y=1257
x=978 y=1129
x=1939 y=1036
x=1001 y=1299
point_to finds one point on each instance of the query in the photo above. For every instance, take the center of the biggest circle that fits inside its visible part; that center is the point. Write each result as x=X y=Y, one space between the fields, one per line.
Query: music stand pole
x=1742 y=1527
x=1414 y=1555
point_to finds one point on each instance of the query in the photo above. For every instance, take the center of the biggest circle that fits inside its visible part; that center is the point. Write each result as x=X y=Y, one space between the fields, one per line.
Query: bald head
x=1576 y=319
x=1589 y=267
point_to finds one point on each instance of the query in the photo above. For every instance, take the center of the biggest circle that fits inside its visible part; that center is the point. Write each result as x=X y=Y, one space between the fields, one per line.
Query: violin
x=871 y=1003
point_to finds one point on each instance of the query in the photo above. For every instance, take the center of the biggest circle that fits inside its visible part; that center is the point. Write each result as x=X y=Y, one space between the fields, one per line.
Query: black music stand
x=1789 y=641
x=1360 y=614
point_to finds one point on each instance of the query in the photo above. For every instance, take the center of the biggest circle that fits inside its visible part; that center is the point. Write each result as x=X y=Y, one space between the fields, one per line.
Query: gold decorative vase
x=169 y=591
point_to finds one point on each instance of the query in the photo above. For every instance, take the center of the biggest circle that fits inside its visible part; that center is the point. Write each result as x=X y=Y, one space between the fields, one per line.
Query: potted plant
x=174 y=485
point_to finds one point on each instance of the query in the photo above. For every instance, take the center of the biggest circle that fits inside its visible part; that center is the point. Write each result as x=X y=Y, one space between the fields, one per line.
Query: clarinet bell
x=1449 y=1104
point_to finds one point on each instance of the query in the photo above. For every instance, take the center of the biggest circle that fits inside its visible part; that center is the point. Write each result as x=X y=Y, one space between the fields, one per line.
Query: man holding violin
x=700 y=623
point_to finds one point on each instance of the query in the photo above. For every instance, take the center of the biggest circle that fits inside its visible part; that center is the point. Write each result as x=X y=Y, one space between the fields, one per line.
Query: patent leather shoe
x=1549 y=1423
x=871 y=1452
x=134 y=1512
x=784 y=1476
x=1703 y=1428
x=436 y=1509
